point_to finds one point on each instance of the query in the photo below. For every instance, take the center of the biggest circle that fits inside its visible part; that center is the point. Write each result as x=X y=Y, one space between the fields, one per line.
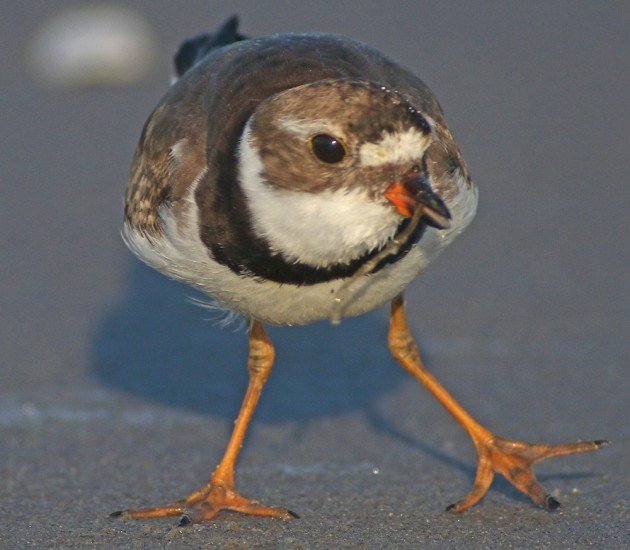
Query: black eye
x=327 y=148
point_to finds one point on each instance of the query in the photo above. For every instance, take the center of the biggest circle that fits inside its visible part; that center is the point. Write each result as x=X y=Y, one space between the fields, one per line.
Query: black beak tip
x=441 y=225
x=433 y=211
x=437 y=215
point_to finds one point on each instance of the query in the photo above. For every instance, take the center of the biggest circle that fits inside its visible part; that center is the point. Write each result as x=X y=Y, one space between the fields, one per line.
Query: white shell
x=93 y=45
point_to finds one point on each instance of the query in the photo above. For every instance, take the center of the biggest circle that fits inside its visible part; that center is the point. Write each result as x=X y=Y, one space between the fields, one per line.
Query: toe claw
x=551 y=503
x=116 y=514
x=184 y=520
x=293 y=514
x=601 y=443
x=450 y=507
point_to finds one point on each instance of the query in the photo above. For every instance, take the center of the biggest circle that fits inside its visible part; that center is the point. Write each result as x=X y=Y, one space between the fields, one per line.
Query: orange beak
x=413 y=192
x=402 y=200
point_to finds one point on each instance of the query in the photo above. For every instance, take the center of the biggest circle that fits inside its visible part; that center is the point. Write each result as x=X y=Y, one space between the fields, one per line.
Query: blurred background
x=115 y=391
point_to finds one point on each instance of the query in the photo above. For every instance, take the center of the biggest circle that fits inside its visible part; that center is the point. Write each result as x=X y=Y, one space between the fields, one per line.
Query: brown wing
x=168 y=158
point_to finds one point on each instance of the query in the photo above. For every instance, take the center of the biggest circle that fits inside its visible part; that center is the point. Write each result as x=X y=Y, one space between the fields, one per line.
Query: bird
x=295 y=178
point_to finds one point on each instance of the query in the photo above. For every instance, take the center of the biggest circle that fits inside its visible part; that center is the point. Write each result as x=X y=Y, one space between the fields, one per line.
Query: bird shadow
x=155 y=345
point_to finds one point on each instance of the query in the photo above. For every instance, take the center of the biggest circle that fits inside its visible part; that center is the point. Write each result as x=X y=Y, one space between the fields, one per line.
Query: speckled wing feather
x=171 y=151
x=168 y=158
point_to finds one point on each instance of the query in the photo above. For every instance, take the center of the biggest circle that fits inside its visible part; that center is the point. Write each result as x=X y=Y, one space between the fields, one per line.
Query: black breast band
x=231 y=239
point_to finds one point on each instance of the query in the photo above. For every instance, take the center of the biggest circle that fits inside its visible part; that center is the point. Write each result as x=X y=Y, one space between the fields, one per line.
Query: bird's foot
x=514 y=460
x=205 y=505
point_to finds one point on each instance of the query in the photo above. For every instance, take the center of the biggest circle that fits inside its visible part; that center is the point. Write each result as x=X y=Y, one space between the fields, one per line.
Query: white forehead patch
x=395 y=148
x=307 y=128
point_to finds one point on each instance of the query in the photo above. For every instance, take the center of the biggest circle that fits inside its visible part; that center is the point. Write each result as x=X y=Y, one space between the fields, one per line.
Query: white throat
x=318 y=229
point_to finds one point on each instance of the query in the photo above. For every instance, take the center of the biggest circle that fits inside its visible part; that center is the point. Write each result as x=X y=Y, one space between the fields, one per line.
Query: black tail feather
x=194 y=50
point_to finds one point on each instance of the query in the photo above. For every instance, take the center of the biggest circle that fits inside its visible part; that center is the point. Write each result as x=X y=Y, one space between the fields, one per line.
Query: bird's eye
x=327 y=148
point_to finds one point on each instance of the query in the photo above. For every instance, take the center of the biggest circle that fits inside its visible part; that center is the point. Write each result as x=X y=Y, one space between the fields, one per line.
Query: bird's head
x=331 y=170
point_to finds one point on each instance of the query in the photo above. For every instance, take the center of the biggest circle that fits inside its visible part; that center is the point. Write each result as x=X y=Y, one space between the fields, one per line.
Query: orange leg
x=219 y=494
x=512 y=459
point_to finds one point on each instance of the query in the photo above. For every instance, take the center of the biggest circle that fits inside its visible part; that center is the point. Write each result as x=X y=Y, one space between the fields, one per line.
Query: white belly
x=180 y=254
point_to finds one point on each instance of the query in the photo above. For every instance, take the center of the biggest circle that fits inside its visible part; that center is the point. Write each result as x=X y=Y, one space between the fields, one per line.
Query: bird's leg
x=512 y=459
x=219 y=494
